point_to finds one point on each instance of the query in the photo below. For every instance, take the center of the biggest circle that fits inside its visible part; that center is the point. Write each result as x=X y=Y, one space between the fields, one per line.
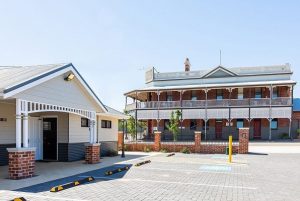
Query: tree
x=173 y=126
x=131 y=128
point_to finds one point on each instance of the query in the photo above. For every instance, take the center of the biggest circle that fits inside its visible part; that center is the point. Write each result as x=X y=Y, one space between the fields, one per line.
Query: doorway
x=257 y=129
x=50 y=138
x=35 y=136
x=219 y=127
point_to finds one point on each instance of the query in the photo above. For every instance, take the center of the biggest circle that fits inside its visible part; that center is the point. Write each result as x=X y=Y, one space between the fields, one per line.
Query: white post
x=95 y=129
x=25 y=125
x=91 y=132
x=18 y=124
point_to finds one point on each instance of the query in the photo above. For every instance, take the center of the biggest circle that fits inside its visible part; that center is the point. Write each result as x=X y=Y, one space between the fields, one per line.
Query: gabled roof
x=115 y=113
x=219 y=71
x=15 y=79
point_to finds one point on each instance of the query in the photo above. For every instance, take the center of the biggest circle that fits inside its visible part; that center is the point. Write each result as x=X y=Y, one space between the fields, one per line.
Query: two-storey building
x=217 y=101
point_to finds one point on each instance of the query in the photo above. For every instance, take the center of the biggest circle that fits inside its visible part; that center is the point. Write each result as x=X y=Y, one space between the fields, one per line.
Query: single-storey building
x=49 y=112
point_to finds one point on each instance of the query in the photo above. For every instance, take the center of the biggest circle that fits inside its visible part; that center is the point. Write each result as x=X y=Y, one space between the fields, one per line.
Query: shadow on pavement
x=258 y=154
x=98 y=174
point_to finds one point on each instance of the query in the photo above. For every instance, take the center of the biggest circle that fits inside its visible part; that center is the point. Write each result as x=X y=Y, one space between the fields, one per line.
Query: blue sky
x=110 y=42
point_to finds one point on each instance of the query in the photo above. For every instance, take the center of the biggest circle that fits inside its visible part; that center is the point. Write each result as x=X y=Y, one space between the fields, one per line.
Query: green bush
x=164 y=150
x=147 y=149
x=284 y=136
x=298 y=131
x=111 y=153
x=185 y=150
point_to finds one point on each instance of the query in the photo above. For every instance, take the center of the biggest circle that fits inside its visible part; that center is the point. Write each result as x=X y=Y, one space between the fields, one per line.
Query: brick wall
x=21 y=163
x=92 y=153
x=196 y=147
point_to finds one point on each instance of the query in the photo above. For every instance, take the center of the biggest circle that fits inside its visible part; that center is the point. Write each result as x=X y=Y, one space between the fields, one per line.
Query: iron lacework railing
x=252 y=102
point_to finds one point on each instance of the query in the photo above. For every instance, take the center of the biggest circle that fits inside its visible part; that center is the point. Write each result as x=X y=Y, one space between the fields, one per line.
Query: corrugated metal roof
x=13 y=75
x=296 y=104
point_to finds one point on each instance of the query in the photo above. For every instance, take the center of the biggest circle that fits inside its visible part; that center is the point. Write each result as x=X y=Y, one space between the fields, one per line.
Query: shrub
x=164 y=150
x=111 y=153
x=185 y=150
x=298 y=131
x=284 y=136
x=147 y=149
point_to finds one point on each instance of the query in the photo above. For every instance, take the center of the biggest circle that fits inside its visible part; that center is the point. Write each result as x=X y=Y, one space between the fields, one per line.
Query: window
x=166 y=124
x=275 y=92
x=194 y=95
x=47 y=126
x=239 y=123
x=105 y=124
x=257 y=92
x=193 y=124
x=84 y=122
x=219 y=94
x=169 y=96
x=274 y=124
x=240 y=93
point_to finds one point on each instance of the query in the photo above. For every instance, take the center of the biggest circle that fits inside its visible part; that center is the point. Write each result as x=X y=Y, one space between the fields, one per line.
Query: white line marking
x=196 y=171
x=181 y=183
x=23 y=194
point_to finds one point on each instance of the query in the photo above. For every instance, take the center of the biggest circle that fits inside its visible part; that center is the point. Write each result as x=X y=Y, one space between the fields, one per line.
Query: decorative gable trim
x=219 y=68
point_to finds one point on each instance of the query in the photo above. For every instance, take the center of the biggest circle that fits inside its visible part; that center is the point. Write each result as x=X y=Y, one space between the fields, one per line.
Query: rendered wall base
x=92 y=153
x=21 y=162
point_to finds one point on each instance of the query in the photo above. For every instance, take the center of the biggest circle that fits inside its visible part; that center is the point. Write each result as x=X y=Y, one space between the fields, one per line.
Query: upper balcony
x=252 y=102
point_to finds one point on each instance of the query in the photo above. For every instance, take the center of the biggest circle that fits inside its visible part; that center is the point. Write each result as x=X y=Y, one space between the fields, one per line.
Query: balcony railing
x=252 y=102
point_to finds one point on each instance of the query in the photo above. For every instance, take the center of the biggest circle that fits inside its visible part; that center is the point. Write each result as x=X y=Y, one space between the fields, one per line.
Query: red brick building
x=217 y=101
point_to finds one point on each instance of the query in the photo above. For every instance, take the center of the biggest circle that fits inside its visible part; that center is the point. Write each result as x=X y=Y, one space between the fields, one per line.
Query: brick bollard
x=197 y=141
x=243 y=140
x=120 y=140
x=92 y=153
x=157 y=139
x=21 y=163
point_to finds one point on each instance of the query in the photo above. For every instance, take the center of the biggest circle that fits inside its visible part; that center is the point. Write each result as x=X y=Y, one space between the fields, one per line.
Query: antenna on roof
x=220 y=57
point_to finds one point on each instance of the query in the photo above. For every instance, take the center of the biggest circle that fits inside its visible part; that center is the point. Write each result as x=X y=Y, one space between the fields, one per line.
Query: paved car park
x=182 y=177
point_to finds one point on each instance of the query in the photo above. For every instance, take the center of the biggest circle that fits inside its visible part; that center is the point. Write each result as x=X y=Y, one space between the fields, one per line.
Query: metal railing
x=280 y=101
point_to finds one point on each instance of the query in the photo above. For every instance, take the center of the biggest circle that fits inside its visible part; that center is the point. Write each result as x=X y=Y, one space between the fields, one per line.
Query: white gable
x=57 y=91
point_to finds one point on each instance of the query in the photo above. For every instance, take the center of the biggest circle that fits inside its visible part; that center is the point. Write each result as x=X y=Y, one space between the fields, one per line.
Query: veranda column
x=92 y=149
x=25 y=125
x=21 y=161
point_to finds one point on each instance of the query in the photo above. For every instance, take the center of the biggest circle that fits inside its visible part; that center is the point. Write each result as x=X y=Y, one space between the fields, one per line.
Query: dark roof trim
x=50 y=73
x=35 y=78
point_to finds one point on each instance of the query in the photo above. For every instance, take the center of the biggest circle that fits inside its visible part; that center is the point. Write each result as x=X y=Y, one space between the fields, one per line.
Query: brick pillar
x=120 y=139
x=243 y=140
x=21 y=162
x=197 y=141
x=157 y=139
x=92 y=153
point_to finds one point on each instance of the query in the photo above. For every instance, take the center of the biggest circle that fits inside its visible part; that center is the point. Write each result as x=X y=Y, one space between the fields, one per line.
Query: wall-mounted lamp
x=69 y=77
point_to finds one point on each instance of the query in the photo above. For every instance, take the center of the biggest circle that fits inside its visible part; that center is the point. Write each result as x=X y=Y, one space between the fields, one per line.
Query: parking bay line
x=181 y=183
x=196 y=171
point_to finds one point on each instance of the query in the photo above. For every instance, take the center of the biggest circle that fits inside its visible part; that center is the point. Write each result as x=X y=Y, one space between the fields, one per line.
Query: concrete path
x=275 y=147
x=48 y=171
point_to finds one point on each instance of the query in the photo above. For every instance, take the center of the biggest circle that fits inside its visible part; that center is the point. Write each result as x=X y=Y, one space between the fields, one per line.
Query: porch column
x=91 y=132
x=95 y=129
x=25 y=125
x=18 y=124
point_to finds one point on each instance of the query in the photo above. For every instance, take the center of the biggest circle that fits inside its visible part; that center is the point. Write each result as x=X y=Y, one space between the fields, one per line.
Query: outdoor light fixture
x=69 y=77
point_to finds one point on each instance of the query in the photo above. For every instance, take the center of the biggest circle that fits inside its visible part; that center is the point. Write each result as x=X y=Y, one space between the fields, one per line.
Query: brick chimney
x=187 y=64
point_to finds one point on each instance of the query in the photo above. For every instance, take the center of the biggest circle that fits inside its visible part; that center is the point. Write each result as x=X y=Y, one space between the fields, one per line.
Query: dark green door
x=50 y=138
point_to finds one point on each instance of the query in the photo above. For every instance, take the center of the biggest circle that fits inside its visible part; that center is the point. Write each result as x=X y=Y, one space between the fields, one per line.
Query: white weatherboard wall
x=8 y=128
x=77 y=133
x=108 y=134
x=57 y=91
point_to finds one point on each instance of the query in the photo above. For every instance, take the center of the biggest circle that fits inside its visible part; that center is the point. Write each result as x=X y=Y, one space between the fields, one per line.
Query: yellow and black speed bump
x=19 y=199
x=71 y=184
x=142 y=163
x=172 y=154
x=111 y=172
